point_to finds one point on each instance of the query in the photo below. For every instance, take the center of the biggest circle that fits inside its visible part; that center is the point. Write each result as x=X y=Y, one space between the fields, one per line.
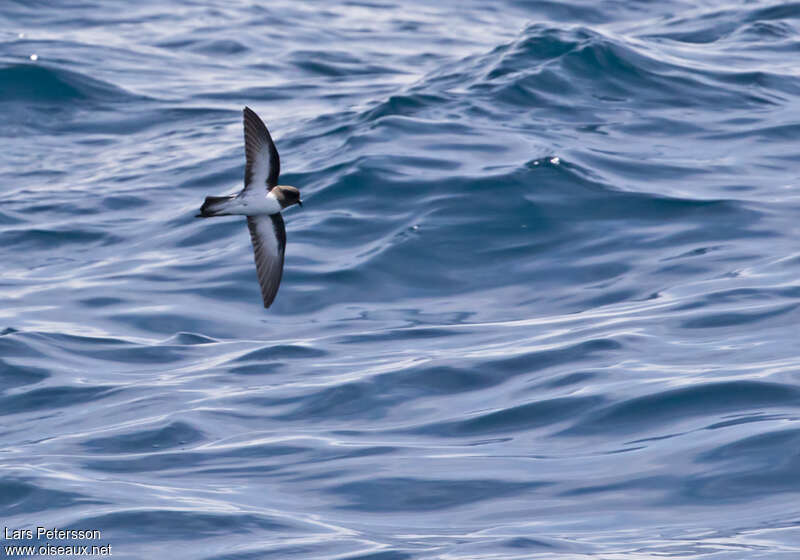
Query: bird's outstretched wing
x=268 y=235
x=262 y=165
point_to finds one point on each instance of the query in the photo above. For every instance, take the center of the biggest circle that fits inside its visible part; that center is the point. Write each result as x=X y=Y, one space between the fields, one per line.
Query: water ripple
x=541 y=300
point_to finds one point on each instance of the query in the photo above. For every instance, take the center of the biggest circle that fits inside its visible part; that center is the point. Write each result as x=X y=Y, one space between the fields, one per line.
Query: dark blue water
x=542 y=300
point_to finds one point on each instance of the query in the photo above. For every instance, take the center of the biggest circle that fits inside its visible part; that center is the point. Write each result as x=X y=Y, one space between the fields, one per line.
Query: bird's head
x=287 y=195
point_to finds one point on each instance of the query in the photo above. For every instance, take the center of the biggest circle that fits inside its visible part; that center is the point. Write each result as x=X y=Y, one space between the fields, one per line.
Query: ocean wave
x=541 y=299
x=36 y=83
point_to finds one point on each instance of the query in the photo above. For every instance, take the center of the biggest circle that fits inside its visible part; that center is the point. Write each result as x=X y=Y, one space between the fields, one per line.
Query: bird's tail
x=214 y=206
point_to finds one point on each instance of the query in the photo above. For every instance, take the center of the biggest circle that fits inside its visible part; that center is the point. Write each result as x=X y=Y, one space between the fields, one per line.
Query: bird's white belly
x=251 y=203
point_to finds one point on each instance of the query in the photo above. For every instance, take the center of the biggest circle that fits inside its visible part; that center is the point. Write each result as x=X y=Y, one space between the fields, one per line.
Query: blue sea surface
x=542 y=301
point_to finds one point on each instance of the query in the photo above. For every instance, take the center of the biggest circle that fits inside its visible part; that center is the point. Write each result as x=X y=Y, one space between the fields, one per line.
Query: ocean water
x=542 y=300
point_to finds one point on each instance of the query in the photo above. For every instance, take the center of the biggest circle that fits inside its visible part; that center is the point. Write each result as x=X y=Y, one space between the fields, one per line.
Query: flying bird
x=261 y=200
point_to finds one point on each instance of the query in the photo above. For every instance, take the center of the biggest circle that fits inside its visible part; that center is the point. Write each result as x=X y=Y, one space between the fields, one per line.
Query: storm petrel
x=261 y=200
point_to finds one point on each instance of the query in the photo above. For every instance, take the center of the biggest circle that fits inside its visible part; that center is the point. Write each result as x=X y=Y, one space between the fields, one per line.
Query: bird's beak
x=299 y=203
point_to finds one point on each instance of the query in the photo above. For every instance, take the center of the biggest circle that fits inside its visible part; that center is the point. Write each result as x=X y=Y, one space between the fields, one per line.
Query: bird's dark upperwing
x=262 y=165
x=268 y=235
